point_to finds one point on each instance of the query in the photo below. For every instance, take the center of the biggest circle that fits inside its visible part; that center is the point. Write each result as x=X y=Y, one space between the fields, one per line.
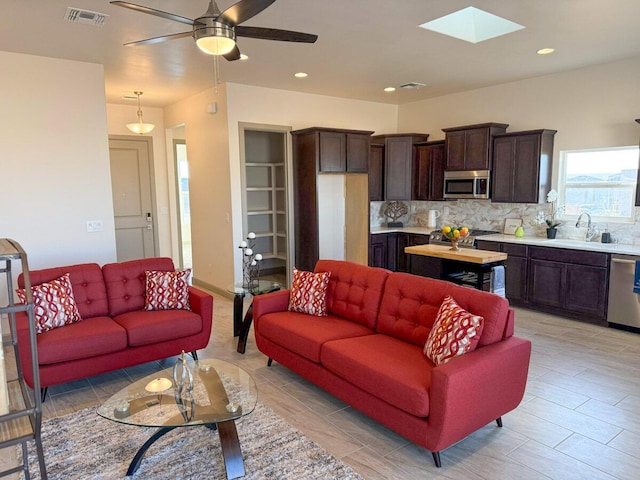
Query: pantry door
x=132 y=191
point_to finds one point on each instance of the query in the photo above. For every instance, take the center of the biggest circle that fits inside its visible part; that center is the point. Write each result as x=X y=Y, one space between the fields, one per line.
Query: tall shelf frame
x=21 y=414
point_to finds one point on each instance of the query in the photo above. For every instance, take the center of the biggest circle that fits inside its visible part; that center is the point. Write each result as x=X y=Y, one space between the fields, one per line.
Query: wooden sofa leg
x=499 y=421
x=269 y=362
x=436 y=459
x=43 y=394
x=194 y=354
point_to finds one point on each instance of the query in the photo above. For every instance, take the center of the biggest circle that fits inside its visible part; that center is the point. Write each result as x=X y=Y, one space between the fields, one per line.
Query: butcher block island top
x=469 y=255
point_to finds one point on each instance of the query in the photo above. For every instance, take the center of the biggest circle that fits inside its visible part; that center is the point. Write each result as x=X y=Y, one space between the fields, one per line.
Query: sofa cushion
x=53 y=304
x=144 y=327
x=454 y=333
x=355 y=291
x=305 y=334
x=125 y=282
x=85 y=339
x=309 y=292
x=391 y=369
x=167 y=290
x=86 y=281
x=410 y=305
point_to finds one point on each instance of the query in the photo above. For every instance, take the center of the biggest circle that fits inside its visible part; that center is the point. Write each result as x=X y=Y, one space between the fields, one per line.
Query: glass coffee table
x=220 y=394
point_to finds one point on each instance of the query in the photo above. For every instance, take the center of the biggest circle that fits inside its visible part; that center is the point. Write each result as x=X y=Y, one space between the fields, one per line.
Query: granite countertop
x=416 y=230
x=617 y=248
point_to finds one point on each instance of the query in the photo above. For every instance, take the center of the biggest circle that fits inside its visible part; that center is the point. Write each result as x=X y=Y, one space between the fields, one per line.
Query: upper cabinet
x=470 y=147
x=340 y=151
x=428 y=171
x=376 y=173
x=398 y=155
x=522 y=164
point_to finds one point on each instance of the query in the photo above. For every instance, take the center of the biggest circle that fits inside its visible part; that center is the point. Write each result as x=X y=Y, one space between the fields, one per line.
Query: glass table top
x=263 y=286
x=220 y=392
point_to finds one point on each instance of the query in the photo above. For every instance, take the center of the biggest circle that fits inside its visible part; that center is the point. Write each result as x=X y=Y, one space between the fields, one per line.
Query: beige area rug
x=84 y=445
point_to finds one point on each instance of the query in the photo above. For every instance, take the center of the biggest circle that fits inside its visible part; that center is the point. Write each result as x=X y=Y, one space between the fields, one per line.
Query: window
x=601 y=182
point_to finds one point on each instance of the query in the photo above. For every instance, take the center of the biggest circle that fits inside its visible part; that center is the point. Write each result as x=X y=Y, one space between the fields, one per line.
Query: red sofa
x=368 y=352
x=115 y=332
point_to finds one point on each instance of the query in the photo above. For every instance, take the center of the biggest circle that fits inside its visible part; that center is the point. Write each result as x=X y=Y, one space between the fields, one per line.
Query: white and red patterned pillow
x=309 y=292
x=167 y=290
x=454 y=333
x=53 y=304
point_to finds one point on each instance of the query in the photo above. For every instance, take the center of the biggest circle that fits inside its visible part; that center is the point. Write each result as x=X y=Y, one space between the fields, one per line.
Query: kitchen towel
x=636 y=278
x=497 y=283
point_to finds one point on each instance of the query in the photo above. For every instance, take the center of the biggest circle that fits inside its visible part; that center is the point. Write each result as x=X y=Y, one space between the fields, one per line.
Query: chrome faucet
x=592 y=231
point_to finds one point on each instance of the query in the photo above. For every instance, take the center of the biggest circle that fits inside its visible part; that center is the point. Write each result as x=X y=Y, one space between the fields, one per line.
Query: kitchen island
x=466 y=266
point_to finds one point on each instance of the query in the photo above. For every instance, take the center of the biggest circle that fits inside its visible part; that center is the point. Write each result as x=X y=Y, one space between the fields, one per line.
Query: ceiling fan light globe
x=140 y=128
x=215 y=45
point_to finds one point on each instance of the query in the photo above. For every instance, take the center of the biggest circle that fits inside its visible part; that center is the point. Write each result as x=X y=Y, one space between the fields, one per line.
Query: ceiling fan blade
x=163 y=38
x=233 y=54
x=244 y=10
x=275 y=34
x=153 y=11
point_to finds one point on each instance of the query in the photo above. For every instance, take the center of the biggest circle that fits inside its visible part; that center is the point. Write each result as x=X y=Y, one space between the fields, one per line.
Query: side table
x=242 y=326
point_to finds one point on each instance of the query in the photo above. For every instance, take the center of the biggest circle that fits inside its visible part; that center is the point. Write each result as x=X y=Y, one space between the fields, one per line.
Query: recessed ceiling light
x=301 y=75
x=244 y=57
x=545 y=51
x=472 y=25
x=390 y=89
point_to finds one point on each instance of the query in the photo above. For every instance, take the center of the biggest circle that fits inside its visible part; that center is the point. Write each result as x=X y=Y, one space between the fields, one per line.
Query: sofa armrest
x=202 y=304
x=477 y=388
x=270 y=302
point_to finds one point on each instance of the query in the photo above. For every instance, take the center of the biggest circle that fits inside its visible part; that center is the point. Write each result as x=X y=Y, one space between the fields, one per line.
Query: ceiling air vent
x=78 y=15
x=411 y=85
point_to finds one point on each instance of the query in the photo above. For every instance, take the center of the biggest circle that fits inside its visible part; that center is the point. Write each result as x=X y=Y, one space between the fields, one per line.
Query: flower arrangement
x=250 y=262
x=552 y=221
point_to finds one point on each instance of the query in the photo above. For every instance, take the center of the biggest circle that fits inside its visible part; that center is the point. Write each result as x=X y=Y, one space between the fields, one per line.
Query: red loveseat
x=115 y=332
x=368 y=352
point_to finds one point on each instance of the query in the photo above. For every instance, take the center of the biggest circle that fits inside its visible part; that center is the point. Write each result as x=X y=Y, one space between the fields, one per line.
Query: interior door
x=131 y=182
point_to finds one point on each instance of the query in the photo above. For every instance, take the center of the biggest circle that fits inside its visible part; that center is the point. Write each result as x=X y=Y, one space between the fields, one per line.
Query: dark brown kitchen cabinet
x=386 y=250
x=319 y=150
x=398 y=157
x=378 y=250
x=428 y=171
x=376 y=173
x=571 y=283
x=522 y=163
x=470 y=147
x=516 y=272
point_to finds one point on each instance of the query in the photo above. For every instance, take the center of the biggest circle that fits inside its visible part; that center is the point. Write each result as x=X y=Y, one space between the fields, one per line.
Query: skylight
x=472 y=25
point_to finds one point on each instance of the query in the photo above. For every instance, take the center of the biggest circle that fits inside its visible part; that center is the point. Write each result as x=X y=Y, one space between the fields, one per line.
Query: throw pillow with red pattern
x=309 y=292
x=53 y=304
x=454 y=333
x=167 y=290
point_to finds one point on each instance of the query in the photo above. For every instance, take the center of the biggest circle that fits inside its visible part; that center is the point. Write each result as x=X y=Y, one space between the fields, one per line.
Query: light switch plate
x=94 y=226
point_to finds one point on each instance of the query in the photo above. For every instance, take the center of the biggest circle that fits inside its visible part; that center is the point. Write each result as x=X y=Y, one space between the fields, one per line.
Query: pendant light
x=140 y=127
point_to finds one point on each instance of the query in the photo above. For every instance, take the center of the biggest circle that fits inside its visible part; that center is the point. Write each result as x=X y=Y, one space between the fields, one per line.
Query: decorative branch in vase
x=250 y=262
x=394 y=210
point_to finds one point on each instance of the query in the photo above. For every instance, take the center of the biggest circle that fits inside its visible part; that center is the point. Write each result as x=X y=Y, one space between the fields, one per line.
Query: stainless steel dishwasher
x=624 y=304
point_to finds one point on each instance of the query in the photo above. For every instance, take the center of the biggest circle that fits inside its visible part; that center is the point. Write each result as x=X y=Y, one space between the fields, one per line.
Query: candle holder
x=250 y=262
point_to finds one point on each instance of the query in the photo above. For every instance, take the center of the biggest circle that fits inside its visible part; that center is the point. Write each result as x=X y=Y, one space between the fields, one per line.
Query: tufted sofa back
x=86 y=281
x=355 y=291
x=410 y=305
x=125 y=282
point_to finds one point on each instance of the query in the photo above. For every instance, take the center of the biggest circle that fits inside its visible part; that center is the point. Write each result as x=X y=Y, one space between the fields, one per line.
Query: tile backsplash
x=485 y=215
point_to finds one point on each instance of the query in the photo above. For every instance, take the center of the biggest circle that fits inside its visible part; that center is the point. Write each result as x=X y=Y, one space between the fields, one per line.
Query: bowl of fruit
x=454 y=234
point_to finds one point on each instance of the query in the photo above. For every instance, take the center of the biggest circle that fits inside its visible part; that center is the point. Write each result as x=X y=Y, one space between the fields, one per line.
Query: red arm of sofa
x=270 y=302
x=202 y=304
x=471 y=391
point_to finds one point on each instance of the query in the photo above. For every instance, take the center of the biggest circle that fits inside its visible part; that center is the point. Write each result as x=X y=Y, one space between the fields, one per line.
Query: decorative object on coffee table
x=250 y=262
x=394 y=210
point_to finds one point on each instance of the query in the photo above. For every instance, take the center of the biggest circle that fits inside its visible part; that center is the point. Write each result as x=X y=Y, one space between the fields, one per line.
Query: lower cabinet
x=569 y=283
x=386 y=250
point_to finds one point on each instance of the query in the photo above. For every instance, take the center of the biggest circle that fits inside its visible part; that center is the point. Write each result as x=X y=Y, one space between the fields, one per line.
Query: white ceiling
x=363 y=45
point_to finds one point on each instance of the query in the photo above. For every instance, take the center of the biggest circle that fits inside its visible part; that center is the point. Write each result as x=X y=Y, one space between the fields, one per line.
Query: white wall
x=54 y=160
x=259 y=105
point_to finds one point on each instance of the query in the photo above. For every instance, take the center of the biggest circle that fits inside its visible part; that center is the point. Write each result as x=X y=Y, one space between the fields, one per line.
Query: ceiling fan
x=215 y=32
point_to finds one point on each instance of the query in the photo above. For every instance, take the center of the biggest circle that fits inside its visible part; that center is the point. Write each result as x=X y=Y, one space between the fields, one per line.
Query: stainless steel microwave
x=466 y=184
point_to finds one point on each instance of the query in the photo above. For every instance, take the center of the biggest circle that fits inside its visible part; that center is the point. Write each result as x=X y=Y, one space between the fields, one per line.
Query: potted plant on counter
x=552 y=227
x=552 y=222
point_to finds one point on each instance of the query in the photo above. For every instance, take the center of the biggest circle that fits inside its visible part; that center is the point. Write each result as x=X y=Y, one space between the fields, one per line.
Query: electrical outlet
x=94 y=226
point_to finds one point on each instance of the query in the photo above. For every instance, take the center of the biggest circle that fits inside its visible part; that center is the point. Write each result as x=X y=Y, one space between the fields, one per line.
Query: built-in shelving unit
x=20 y=406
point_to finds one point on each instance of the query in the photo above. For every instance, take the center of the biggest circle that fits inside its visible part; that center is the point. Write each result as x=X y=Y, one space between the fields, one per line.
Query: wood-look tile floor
x=580 y=417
